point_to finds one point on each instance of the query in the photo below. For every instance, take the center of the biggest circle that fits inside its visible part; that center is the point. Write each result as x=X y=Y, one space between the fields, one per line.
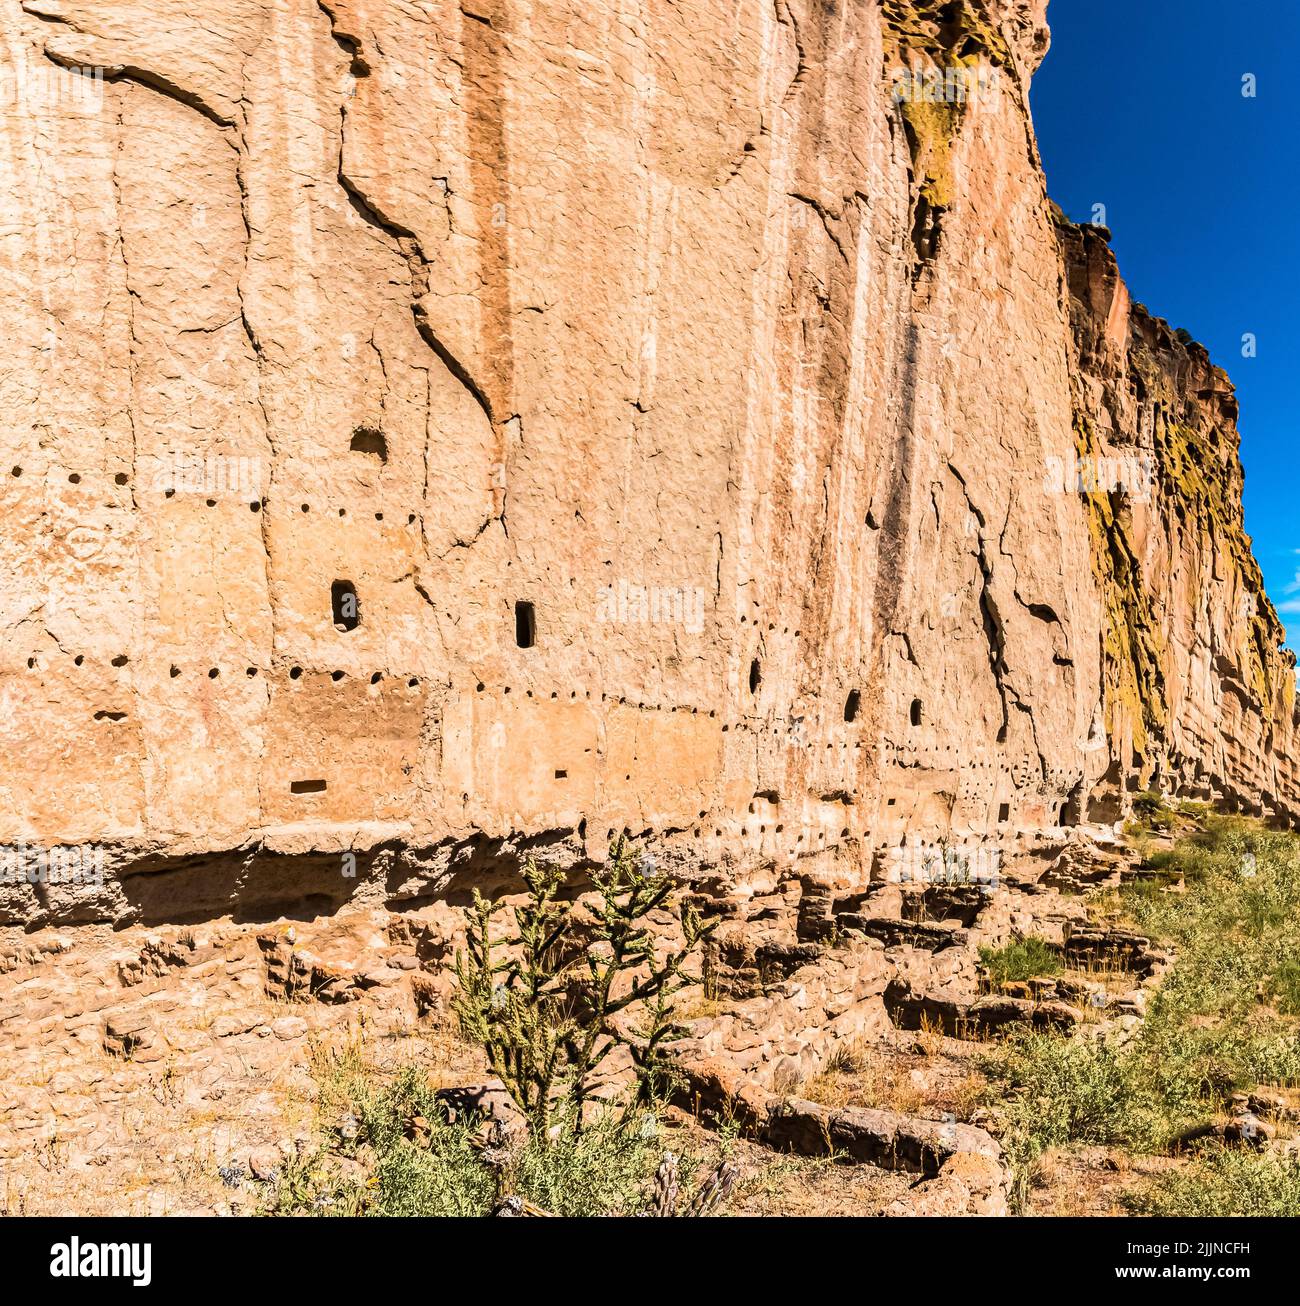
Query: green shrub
x=422 y=1164
x=1224 y=1182
x=1153 y=812
x=1022 y=959
x=400 y=1157
x=1163 y=859
x=1060 y=1091
x=604 y=1169
x=1286 y=986
x=1224 y=1018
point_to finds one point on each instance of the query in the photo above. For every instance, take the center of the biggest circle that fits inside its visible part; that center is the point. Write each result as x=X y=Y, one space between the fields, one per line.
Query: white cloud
x=1290 y=599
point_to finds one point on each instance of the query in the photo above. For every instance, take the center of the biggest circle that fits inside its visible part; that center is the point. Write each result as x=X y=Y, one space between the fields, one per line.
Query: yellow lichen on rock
x=934 y=54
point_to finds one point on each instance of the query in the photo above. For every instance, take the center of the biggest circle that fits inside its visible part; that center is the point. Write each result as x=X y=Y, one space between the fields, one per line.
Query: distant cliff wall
x=1199 y=693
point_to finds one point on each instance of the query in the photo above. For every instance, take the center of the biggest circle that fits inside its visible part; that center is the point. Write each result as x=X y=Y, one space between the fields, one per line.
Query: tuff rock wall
x=432 y=431
x=1200 y=697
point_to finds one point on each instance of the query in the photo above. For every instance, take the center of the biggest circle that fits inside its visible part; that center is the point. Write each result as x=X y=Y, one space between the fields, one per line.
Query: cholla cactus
x=543 y=1004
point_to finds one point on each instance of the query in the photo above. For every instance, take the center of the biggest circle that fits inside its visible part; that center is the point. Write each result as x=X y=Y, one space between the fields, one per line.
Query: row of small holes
x=295 y=673
x=258 y=504
x=213 y=672
x=481 y=688
x=122 y=479
x=74 y=478
x=626 y=833
x=364 y=440
x=771 y=625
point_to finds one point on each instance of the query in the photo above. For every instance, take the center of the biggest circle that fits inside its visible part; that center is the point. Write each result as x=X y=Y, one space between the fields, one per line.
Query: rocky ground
x=838 y=1051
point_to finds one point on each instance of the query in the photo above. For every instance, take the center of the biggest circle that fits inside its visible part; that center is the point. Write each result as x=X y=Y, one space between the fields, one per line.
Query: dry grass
x=924 y=1081
x=811 y=1186
x=701 y=1005
x=930 y=1038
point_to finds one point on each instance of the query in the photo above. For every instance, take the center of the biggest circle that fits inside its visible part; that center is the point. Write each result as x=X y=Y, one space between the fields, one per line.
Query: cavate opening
x=916 y=712
x=926 y=231
x=755 y=676
x=365 y=439
x=344 y=605
x=307 y=787
x=1004 y=813
x=525 y=624
x=851 y=705
x=1073 y=810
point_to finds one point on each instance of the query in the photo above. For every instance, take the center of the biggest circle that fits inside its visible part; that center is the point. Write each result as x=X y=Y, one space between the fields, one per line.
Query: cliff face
x=1199 y=694
x=438 y=430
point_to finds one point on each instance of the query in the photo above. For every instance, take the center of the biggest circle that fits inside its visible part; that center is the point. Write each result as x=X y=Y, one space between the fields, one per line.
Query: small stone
x=289 y=1027
x=264 y=1164
x=229 y=1026
x=1249 y=1129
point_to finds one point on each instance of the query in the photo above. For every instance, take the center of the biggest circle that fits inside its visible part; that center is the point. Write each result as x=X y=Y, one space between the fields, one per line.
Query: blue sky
x=1139 y=107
